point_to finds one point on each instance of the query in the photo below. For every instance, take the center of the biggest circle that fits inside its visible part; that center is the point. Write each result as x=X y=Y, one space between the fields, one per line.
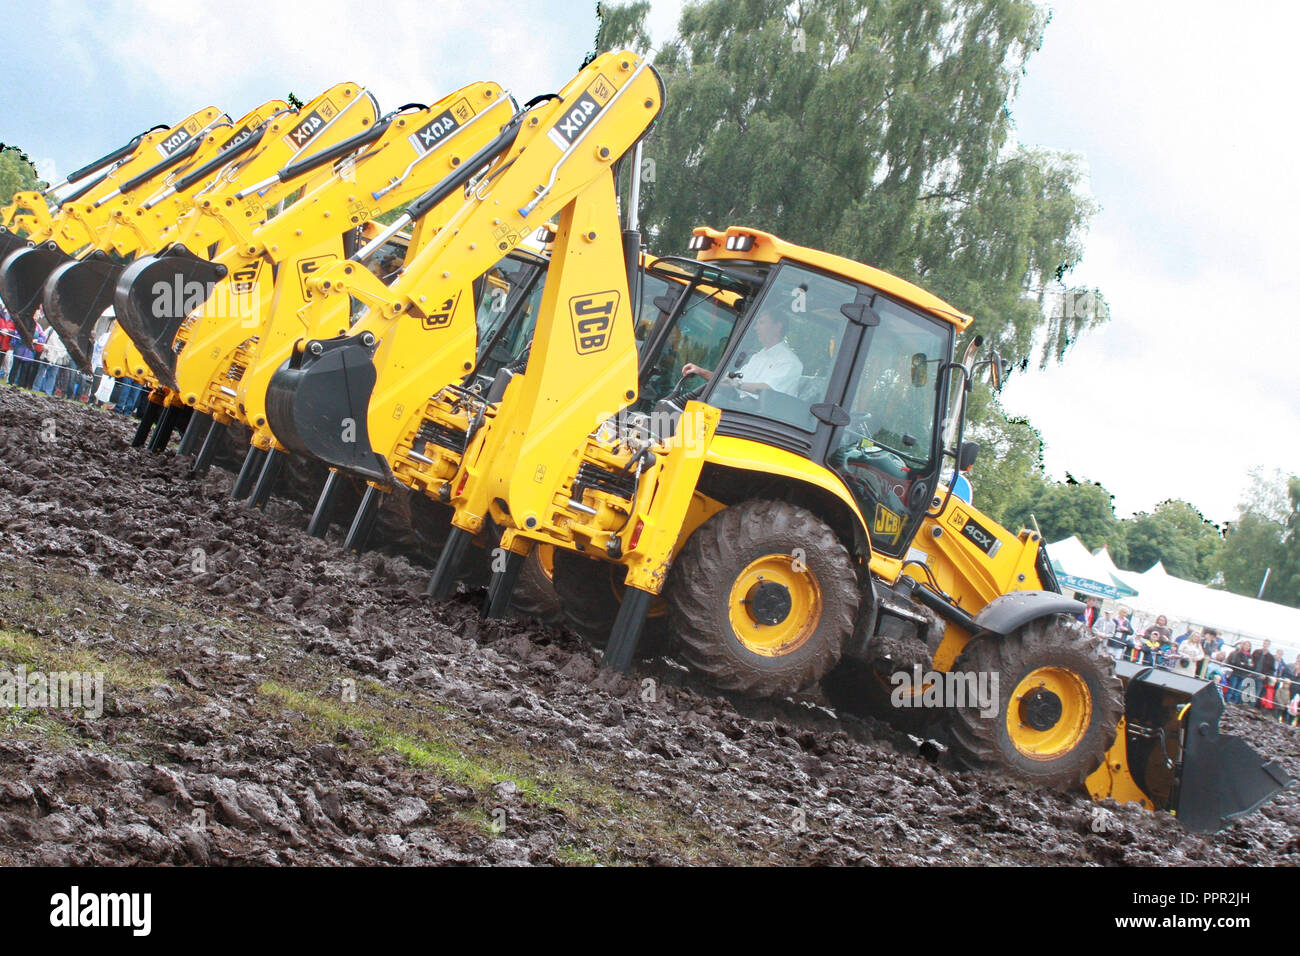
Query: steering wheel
x=678 y=392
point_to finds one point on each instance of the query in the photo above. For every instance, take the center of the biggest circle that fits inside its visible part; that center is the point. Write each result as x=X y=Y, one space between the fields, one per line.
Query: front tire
x=762 y=599
x=1058 y=705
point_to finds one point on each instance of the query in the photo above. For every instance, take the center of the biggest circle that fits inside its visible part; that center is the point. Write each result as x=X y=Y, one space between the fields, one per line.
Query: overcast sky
x=1182 y=110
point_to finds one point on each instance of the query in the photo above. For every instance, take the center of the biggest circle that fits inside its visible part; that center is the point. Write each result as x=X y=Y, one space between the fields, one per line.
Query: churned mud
x=269 y=699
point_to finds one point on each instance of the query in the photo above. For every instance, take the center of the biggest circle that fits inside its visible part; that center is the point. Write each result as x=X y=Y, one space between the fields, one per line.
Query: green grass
x=421 y=744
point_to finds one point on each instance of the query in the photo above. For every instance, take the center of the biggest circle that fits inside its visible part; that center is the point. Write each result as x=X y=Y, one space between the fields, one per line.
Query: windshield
x=698 y=335
x=887 y=452
x=509 y=290
x=782 y=366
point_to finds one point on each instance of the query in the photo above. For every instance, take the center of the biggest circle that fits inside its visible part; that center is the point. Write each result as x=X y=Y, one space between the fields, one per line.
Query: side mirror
x=970 y=450
x=920 y=374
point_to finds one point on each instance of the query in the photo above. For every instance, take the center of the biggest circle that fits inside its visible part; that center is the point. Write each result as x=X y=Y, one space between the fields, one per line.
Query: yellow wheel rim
x=774 y=605
x=1048 y=713
x=546 y=559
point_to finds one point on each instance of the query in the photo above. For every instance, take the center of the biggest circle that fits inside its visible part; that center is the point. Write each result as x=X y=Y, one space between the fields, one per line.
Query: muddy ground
x=271 y=700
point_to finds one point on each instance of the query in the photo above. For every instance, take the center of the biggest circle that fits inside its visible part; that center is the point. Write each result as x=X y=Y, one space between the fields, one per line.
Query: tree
x=1177 y=535
x=16 y=174
x=880 y=132
x=1081 y=508
x=1263 y=537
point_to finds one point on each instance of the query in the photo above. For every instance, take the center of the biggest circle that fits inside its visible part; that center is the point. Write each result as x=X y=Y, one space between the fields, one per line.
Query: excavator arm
x=556 y=156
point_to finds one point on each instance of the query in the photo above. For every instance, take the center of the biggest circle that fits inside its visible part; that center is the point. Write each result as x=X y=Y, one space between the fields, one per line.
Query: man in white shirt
x=775 y=366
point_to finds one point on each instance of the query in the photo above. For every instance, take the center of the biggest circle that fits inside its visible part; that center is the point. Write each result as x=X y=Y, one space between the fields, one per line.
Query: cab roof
x=742 y=243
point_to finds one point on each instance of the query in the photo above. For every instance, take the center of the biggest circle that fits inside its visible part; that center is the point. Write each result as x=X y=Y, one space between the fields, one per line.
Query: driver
x=775 y=366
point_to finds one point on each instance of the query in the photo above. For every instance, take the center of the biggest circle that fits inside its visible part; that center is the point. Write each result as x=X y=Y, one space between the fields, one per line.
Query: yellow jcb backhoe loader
x=197 y=209
x=86 y=214
x=420 y=332
x=219 y=363
x=791 y=515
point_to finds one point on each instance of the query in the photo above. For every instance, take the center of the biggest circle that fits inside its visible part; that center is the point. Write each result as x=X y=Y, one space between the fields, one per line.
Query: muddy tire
x=589 y=594
x=864 y=690
x=762 y=599
x=1059 y=703
x=534 y=596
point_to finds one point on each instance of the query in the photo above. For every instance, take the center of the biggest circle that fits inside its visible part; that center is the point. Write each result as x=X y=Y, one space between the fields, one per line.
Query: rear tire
x=762 y=599
x=1059 y=704
x=590 y=592
x=534 y=595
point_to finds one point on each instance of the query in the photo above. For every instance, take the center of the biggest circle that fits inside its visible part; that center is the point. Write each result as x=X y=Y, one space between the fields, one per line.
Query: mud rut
x=271 y=700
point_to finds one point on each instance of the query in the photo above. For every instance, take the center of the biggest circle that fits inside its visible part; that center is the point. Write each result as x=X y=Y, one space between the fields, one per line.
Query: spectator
x=1189 y=656
x=54 y=356
x=1239 y=663
x=1124 y=629
x=1211 y=642
x=1262 y=661
x=1285 y=687
x=1090 y=613
x=1154 y=641
x=8 y=333
x=1106 y=628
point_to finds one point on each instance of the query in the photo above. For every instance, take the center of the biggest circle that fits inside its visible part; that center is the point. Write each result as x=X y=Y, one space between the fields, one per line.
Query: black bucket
x=154 y=294
x=22 y=283
x=316 y=404
x=1178 y=757
x=76 y=295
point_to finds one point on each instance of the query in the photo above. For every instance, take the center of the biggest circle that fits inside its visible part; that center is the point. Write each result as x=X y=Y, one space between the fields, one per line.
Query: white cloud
x=1183 y=114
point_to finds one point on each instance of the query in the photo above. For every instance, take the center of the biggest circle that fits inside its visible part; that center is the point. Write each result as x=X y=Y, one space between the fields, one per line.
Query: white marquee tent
x=1156 y=591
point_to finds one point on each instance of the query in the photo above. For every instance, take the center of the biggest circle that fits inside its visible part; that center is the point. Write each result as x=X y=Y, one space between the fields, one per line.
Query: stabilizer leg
x=266 y=480
x=502 y=587
x=320 y=518
x=364 y=521
x=626 y=633
x=442 y=585
x=248 y=474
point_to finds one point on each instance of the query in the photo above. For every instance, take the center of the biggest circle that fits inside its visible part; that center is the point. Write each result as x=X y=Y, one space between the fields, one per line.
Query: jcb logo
x=441 y=317
x=307 y=127
x=593 y=319
x=244 y=281
x=309 y=268
x=888 y=524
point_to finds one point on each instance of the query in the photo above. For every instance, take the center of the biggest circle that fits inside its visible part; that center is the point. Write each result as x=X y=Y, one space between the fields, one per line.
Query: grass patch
x=421 y=745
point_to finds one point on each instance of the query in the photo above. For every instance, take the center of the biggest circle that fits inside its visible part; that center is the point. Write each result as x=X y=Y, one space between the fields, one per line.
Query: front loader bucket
x=22 y=281
x=1177 y=756
x=316 y=404
x=154 y=294
x=76 y=295
x=10 y=242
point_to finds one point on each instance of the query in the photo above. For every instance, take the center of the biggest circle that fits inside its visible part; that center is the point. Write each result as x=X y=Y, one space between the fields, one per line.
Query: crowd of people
x=1245 y=675
x=47 y=368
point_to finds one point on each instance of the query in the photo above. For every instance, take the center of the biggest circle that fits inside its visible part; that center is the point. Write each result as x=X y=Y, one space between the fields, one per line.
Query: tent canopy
x=1078 y=568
